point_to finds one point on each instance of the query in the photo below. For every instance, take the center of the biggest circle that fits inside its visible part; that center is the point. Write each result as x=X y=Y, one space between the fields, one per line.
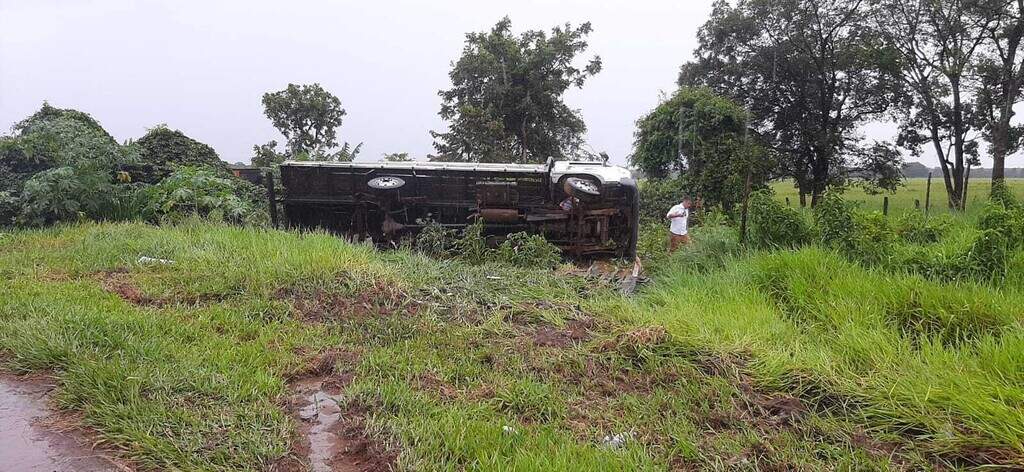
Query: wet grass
x=791 y=360
x=904 y=197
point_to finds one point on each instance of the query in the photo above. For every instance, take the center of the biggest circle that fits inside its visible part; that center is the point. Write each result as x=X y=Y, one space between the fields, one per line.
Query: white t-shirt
x=679 y=223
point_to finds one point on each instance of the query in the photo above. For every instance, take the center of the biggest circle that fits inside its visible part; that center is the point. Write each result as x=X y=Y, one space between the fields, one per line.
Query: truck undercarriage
x=586 y=209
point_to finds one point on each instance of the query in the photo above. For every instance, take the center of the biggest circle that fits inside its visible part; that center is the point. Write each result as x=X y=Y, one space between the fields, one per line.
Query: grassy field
x=913 y=189
x=727 y=360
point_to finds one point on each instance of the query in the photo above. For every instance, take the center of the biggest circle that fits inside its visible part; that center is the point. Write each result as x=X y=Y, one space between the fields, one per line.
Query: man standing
x=679 y=215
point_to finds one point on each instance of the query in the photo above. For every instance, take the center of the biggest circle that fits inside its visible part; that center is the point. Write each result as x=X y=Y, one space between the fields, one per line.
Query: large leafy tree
x=309 y=117
x=505 y=104
x=163 y=150
x=810 y=73
x=1002 y=82
x=58 y=165
x=702 y=137
x=938 y=44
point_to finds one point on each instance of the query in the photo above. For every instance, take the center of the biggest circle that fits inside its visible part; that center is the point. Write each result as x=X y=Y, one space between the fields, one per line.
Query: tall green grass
x=940 y=363
x=453 y=378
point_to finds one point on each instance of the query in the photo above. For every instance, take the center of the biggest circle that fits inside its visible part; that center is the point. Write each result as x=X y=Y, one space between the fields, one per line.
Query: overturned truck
x=585 y=208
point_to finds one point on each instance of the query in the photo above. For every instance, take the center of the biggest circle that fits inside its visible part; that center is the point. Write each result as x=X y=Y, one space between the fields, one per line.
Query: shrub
x=60 y=167
x=199 y=192
x=773 y=225
x=526 y=250
x=1007 y=221
x=868 y=238
x=657 y=196
x=472 y=246
x=1002 y=195
x=163 y=150
x=913 y=227
x=834 y=218
x=436 y=241
x=873 y=239
x=65 y=194
x=986 y=258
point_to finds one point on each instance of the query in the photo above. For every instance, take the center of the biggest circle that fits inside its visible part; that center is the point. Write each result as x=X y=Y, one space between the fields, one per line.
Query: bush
x=1007 y=221
x=437 y=241
x=868 y=238
x=163 y=150
x=526 y=250
x=657 y=196
x=64 y=194
x=472 y=246
x=834 y=218
x=987 y=257
x=1002 y=195
x=873 y=239
x=773 y=225
x=913 y=227
x=191 y=191
x=60 y=167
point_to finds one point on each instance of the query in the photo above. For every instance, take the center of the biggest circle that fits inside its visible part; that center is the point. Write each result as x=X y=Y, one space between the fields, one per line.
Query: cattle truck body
x=386 y=201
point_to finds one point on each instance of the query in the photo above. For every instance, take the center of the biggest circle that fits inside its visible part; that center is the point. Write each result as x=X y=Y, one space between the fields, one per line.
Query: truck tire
x=386 y=182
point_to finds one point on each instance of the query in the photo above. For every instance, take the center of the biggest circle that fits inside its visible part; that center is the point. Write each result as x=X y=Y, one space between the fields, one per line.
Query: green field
x=727 y=360
x=904 y=197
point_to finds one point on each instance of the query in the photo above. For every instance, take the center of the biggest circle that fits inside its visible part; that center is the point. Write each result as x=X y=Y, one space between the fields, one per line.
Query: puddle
x=26 y=445
x=323 y=413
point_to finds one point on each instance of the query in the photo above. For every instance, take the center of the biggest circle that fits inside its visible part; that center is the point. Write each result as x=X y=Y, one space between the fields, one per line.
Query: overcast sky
x=202 y=66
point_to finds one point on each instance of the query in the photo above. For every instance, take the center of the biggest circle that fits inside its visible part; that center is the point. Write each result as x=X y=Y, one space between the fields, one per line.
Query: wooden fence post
x=885 y=206
x=743 y=214
x=268 y=180
x=967 y=182
x=928 y=195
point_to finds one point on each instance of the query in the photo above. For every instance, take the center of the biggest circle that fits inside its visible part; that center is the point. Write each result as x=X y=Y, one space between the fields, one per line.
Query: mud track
x=35 y=438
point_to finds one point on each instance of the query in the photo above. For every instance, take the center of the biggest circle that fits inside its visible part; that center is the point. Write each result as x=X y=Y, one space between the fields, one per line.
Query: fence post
x=743 y=215
x=928 y=195
x=967 y=182
x=885 y=206
x=268 y=180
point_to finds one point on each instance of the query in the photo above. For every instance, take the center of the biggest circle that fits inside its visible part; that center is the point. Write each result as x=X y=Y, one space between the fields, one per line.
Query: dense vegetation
x=731 y=358
x=60 y=165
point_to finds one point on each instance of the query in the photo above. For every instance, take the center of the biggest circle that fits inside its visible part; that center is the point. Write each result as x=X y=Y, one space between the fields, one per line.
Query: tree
x=809 y=72
x=48 y=114
x=266 y=155
x=59 y=165
x=309 y=117
x=397 y=157
x=938 y=43
x=506 y=104
x=1002 y=77
x=162 y=150
x=703 y=137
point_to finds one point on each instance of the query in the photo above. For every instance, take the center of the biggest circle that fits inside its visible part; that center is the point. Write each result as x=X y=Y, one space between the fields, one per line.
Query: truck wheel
x=584 y=186
x=386 y=182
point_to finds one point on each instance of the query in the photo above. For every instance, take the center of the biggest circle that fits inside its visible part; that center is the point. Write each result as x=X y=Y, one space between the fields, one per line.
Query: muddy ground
x=34 y=438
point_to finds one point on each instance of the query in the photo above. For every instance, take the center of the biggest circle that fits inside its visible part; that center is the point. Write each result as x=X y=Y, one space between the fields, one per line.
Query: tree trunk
x=1010 y=89
x=819 y=177
x=1000 y=144
x=947 y=178
x=956 y=198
